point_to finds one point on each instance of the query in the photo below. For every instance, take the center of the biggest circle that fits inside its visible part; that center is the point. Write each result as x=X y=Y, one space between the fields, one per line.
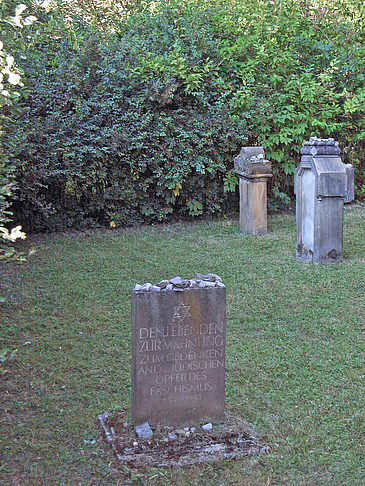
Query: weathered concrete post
x=253 y=171
x=320 y=188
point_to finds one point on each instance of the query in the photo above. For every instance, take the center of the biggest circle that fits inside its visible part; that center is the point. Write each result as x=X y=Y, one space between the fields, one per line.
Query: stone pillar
x=320 y=187
x=253 y=171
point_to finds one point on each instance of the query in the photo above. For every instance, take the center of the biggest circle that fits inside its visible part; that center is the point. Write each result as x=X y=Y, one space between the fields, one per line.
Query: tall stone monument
x=178 y=351
x=320 y=187
x=253 y=172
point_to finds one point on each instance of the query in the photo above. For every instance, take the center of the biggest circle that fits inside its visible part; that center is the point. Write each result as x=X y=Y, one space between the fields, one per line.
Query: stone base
x=178 y=448
x=351 y=205
x=319 y=230
x=253 y=205
x=308 y=256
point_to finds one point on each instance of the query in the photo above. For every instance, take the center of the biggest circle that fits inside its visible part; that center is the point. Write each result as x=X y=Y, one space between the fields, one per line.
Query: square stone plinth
x=253 y=205
x=178 y=355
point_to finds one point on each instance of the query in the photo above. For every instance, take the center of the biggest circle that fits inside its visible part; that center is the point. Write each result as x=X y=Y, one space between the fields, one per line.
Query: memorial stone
x=320 y=187
x=350 y=188
x=253 y=171
x=178 y=351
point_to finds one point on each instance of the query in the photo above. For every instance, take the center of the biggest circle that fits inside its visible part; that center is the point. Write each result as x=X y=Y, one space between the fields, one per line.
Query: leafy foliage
x=10 y=85
x=138 y=118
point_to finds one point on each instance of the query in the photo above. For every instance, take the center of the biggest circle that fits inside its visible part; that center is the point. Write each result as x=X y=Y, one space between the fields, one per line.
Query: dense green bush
x=142 y=123
x=102 y=138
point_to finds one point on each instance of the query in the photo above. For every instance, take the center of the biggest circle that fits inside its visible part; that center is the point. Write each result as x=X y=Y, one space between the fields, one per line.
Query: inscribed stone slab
x=178 y=355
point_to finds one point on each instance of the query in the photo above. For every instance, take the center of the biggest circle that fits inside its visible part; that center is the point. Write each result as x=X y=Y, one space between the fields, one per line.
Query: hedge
x=141 y=122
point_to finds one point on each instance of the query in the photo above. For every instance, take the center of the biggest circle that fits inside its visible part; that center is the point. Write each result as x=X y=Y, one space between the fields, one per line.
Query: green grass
x=294 y=352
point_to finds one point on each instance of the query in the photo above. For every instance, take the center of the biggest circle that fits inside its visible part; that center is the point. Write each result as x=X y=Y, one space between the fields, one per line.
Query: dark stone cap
x=320 y=146
x=251 y=161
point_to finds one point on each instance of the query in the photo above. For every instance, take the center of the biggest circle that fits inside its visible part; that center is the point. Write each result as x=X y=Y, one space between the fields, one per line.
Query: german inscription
x=178 y=355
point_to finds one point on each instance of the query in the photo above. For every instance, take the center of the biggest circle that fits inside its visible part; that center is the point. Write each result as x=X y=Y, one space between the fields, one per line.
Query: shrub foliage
x=136 y=114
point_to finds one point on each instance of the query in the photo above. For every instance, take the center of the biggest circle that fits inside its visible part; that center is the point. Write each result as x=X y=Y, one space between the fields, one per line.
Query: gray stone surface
x=350 y=188
x=178 y=282
x=144 y=431
x=178 y=353
x=320 y=187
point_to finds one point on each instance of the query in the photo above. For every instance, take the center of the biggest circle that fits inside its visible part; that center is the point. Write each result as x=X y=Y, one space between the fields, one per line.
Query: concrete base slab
x=169 y=447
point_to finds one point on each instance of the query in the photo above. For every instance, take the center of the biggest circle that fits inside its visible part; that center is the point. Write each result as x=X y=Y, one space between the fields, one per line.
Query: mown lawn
x=295 y=352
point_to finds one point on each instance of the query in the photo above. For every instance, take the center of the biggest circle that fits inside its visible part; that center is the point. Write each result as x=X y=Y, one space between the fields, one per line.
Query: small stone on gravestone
x=178 y=353
x=178 y=282
x=144 y=431
x=147 y=286
x=210 y=277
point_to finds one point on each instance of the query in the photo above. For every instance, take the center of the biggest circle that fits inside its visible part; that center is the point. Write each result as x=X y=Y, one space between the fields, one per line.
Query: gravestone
x=320 y=186
x=178 y=351
x=253 y=172
x=350 y=187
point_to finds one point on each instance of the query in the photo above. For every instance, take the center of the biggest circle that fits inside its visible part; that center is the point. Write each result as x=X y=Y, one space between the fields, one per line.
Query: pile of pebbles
x=164 y=446
x=179 y=284
x=255 y=159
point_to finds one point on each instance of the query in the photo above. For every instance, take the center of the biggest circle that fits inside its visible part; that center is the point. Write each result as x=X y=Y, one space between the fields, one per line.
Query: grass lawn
x=295 y=352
